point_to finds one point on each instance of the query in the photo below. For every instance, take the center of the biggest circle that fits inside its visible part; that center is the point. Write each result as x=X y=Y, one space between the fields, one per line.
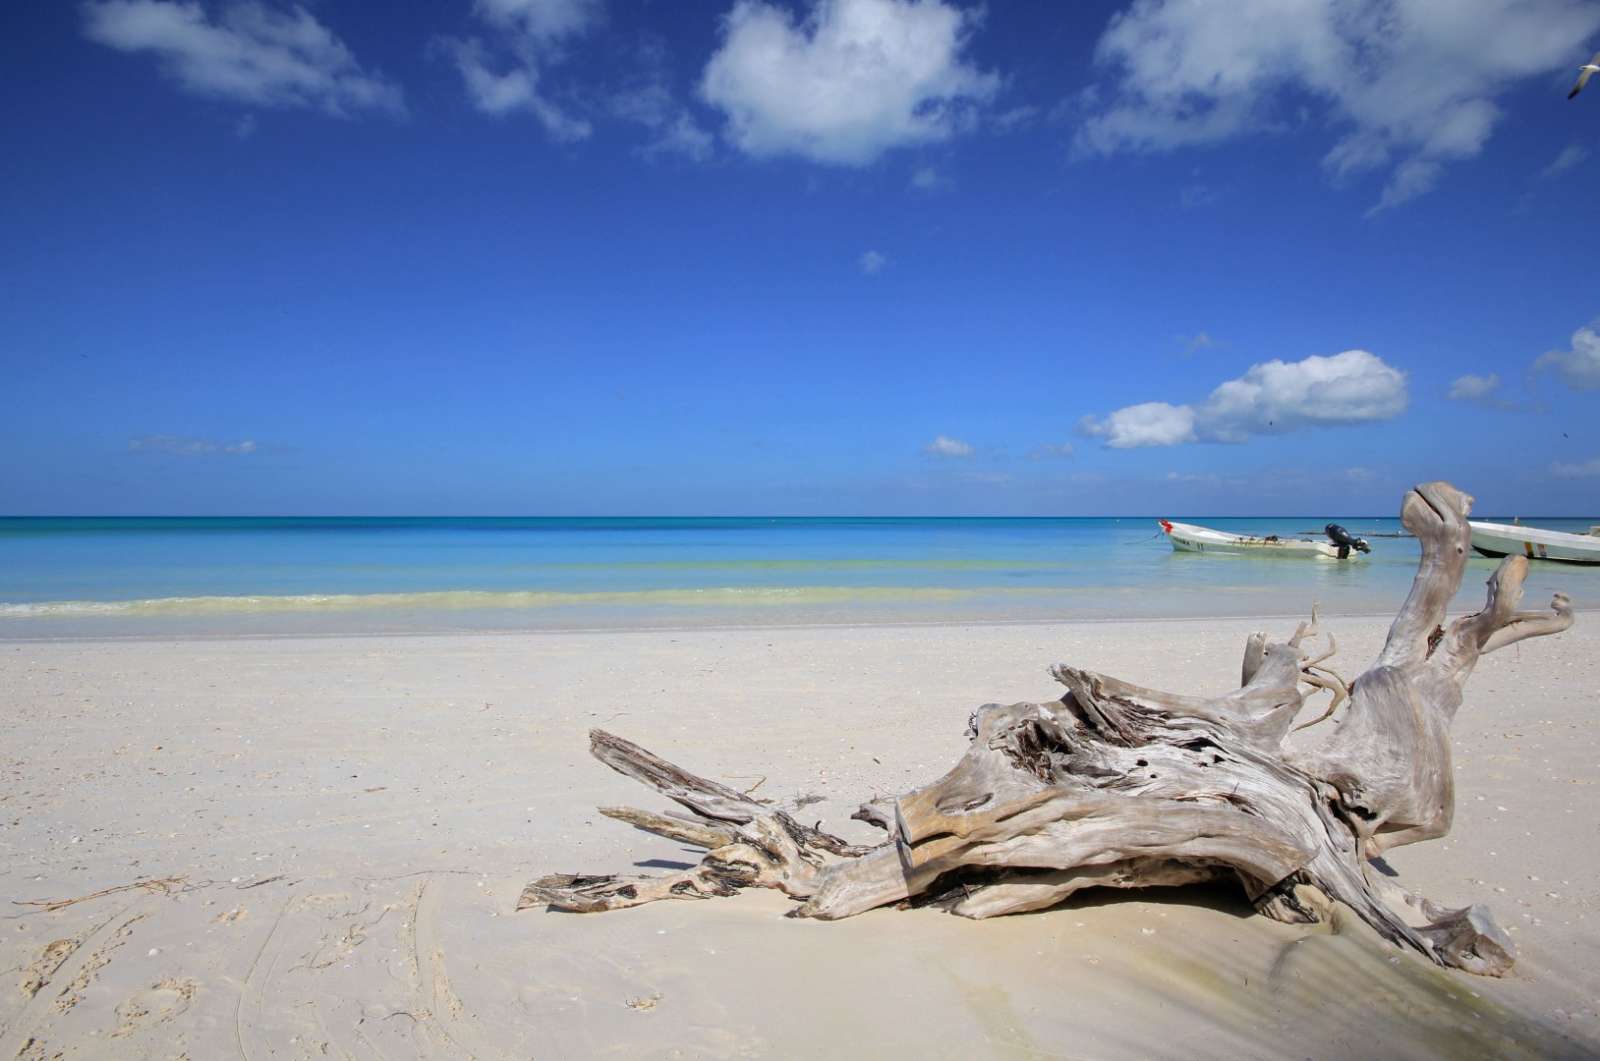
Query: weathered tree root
x=751 y=843
x=1114 y=785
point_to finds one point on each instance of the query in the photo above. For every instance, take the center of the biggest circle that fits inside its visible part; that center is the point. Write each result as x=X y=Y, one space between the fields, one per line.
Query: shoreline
x=669 y=627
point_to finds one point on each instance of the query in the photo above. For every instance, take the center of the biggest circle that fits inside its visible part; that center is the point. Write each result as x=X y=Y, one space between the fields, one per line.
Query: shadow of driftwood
x=1335 y=991
x=1220 y=897
x=1244 y=986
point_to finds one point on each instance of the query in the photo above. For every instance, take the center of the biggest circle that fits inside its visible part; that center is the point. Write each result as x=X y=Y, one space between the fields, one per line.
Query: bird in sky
x=1585 y=72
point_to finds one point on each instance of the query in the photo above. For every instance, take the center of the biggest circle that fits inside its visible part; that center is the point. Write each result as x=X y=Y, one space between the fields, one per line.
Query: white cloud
x=872 y=262
x=1570 y=156
x=856 y=78
x=1589 y=469
x=1347 y=388
x=1145 y=424
x=1470 y=388
x=1270 y=398
x=541 y=20
x=1579 y=366
x=249 y=53
x=945 y=446
x=189 y=447
x=532 y=35
x=1408 y=85
x=492 y=92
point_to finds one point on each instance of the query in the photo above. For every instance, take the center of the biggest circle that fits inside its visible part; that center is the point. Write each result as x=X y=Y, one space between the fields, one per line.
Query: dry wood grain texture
x=1114 y=785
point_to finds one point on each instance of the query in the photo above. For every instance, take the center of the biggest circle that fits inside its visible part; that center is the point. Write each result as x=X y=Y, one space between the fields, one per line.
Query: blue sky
x=855 y=256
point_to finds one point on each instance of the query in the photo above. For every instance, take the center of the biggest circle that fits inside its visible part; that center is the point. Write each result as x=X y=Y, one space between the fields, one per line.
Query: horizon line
x=724 y=516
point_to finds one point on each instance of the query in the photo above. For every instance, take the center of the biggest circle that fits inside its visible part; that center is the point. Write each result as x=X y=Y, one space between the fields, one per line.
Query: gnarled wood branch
x=1115 y=785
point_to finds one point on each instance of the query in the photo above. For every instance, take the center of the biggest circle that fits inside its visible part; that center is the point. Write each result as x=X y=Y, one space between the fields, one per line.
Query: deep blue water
x=60 y=576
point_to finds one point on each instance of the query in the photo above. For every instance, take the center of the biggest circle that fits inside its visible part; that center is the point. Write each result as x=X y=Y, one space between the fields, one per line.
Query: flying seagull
x=1585 y=72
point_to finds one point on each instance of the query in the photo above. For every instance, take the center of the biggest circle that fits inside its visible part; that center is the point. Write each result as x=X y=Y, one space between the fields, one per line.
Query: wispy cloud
x=1270 y=398
x=1470 y=388
x=1019 y=117
x=676 y=131
x=649 y=100
x=191 y=447
x=1589 y=469
x=250 y=53
x=1488 y=392
x=929 y=179
x=502 y=69
x=1571 y=155
x=680 y=134
x=945 y=446
x=854 y=79
x=1051 y=449
x=1201 y=479
x=1400 y=85
x=1197 y=195
x=872 y=262
x=1579 y=366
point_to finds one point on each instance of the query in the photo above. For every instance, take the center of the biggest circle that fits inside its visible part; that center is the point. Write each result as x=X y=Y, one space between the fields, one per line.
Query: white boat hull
x=1188 y=537
x=1508 y=539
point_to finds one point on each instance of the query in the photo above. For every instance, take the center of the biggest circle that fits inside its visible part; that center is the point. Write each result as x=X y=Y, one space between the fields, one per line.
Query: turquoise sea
x=68 y=577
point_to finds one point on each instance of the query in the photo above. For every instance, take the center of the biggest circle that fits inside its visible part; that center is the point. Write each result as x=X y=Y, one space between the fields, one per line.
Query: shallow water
x=107 y=577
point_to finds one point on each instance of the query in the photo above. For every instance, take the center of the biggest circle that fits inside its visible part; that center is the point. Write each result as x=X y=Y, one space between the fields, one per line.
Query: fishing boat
x=1505 y=539
x=1187 y=537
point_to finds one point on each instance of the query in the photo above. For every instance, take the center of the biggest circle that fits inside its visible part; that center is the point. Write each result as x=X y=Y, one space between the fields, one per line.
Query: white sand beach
x=347 y=823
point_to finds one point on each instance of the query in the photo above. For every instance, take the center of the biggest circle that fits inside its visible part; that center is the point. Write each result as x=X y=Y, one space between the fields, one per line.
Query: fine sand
x=350 y=821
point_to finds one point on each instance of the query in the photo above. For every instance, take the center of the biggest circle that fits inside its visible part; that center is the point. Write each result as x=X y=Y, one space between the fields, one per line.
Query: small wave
x=466 y=600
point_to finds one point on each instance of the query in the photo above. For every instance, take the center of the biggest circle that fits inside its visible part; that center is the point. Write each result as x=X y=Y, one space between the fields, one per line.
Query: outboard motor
x=1342 y=538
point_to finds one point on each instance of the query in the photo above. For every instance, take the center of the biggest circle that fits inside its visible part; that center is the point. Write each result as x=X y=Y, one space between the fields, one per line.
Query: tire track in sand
x=251 y=990
x=449 y=1025
x=76 y=971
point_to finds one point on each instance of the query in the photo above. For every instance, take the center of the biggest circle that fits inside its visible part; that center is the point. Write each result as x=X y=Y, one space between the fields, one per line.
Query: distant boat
x=1186 y=537
x=1505 y=539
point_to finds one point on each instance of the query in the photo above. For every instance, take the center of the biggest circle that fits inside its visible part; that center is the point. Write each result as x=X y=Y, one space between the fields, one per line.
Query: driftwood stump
x=1118 y=786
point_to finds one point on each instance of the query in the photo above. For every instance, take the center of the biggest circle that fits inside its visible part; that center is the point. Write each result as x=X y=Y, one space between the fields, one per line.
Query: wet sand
x=347 y=822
